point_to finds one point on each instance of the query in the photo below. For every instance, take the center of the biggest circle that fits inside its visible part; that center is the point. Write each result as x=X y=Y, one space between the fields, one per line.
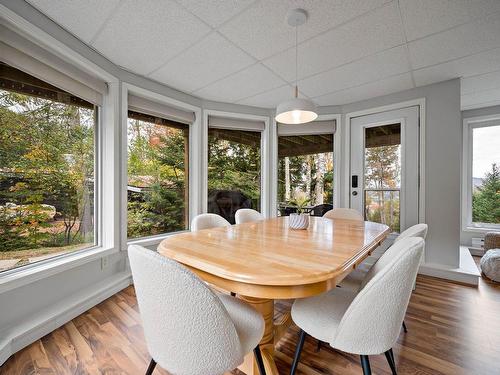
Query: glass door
x=384 y=167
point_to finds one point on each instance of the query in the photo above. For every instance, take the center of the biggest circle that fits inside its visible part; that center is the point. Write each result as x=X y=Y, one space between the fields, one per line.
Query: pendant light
x=296 y=110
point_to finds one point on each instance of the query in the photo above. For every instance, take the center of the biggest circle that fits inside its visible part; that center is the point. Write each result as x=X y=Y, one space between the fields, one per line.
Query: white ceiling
x=242 y=51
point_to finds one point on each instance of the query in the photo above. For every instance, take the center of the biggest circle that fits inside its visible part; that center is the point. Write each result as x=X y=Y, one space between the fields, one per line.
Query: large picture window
x=47 y=170
x=305 y=173
x=483 y=185
x=158 y=160
x=234 y=165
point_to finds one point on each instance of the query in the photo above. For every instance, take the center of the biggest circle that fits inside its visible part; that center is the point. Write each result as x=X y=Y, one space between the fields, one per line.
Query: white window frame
x=337 y=158
x=194 y=140
x=106 y=159
x=469 y=124
x=264 y=156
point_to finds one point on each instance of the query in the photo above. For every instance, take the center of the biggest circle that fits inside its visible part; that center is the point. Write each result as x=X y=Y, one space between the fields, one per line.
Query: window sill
x=481 y=229
x=153 y=240
x=16 y=278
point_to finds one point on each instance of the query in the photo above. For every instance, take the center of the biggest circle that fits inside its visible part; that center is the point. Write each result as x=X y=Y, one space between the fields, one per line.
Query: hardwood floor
x=453 y=329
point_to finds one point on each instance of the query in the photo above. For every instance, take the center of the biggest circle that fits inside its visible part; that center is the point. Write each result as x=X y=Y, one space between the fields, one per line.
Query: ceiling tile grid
x=143 y=35
x=81 y=18
x=210 y=59
x=243 y=50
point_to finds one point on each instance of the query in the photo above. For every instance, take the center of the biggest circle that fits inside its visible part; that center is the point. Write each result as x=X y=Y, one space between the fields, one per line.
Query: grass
x=32 y=253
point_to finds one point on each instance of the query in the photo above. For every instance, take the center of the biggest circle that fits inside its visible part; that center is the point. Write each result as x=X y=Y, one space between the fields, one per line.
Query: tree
x=382 y=171
x=486 y=199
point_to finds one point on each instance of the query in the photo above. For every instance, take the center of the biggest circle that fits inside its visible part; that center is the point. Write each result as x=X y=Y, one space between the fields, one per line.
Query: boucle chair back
x=187 y=328
x=417 y=230
x=372 y=322
x=245 y=215
x=343 y=213
x=206 y=221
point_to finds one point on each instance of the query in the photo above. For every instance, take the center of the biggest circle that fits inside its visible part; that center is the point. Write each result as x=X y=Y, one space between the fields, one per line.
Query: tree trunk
x=308 y=176
x=320 y=172
x=287 y=179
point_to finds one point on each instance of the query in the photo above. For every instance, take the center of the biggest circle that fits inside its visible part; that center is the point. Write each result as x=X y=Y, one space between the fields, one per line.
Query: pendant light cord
x=296 y=61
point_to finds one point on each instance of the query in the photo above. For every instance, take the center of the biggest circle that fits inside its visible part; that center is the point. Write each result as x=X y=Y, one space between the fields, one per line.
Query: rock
x=490 y=264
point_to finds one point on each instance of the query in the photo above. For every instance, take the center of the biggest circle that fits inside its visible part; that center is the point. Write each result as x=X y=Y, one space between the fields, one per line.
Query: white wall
x=443 y=145
x=466 y=236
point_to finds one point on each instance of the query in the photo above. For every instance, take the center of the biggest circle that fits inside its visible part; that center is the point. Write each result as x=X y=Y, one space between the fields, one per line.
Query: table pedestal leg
x=266 y=308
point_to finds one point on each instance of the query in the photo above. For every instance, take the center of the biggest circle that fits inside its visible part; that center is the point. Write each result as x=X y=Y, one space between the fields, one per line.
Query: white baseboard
x=467 y=273
x=24 y=333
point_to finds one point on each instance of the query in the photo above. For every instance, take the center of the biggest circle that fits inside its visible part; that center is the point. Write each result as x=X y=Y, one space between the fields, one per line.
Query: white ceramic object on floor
x=298 y=221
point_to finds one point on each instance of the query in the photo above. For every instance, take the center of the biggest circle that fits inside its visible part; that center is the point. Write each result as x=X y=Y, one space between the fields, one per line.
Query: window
x=482 y=141
x=158 y=175
x=383 y=175
x=47 y=170
x=234 y=171
x=305 y=173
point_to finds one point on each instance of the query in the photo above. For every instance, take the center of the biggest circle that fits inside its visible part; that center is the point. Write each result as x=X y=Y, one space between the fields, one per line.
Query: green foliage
x=234 y=166
x=46 y=157
x=486 y=199
x=156 y=165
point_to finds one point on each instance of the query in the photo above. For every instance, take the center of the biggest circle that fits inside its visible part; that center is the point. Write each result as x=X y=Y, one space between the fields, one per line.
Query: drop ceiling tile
x=480 y=63
x=207 y=61
x=458 y=42
x=270 y=98
x=483 y=82
x=143 y=35
x=251 y=81
x=372 y=68
x=82 y=18
x=262 y=29
x=424 y=17
x=481 y=99
x=215 y=12
x=377 y=31
x=371 y=90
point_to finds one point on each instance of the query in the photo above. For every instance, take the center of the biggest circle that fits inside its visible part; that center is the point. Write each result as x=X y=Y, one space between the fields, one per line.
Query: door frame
x=420 y=102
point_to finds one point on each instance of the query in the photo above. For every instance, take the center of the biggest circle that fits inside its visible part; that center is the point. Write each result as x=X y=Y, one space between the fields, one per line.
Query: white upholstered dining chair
x=354 y=280
x=206 y=221
x=195 y=333
x=367 y=322
x=343 y=213
x=245 y=215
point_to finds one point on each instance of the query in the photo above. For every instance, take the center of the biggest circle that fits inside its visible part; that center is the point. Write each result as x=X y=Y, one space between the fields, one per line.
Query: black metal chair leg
x=298 y=351
x=260 y=362
x=151 y=367
x=390 y=358
x=365 y=363
x=318 y=347
x=404 y=327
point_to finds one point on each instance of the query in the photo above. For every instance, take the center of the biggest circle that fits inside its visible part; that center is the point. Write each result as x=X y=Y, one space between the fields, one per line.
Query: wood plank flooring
x=453 y=330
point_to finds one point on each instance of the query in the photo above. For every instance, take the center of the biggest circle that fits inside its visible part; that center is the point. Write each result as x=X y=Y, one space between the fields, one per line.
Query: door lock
x=354 y=193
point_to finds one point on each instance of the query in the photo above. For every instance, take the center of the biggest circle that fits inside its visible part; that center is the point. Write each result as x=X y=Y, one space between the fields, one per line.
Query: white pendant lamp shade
x=296 y=111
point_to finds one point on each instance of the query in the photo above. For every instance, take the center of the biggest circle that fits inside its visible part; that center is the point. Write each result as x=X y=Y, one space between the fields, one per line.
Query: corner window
x=47 y=170
x=158 y=175
x=483 y=174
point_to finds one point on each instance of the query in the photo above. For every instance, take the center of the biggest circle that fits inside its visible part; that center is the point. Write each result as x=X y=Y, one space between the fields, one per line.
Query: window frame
x=337 y=157
x=194 y=135
x=28 y=269
x=264 y=156
x=469 y=124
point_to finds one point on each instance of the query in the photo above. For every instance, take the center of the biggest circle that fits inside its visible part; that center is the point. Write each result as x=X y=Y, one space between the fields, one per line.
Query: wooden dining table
x=266 y=260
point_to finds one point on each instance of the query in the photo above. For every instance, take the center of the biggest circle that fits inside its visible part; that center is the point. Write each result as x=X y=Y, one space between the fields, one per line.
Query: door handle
x=354 y=193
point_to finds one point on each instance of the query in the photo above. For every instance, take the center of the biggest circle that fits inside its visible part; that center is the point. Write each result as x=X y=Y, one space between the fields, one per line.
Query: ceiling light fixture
x=296 y=110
